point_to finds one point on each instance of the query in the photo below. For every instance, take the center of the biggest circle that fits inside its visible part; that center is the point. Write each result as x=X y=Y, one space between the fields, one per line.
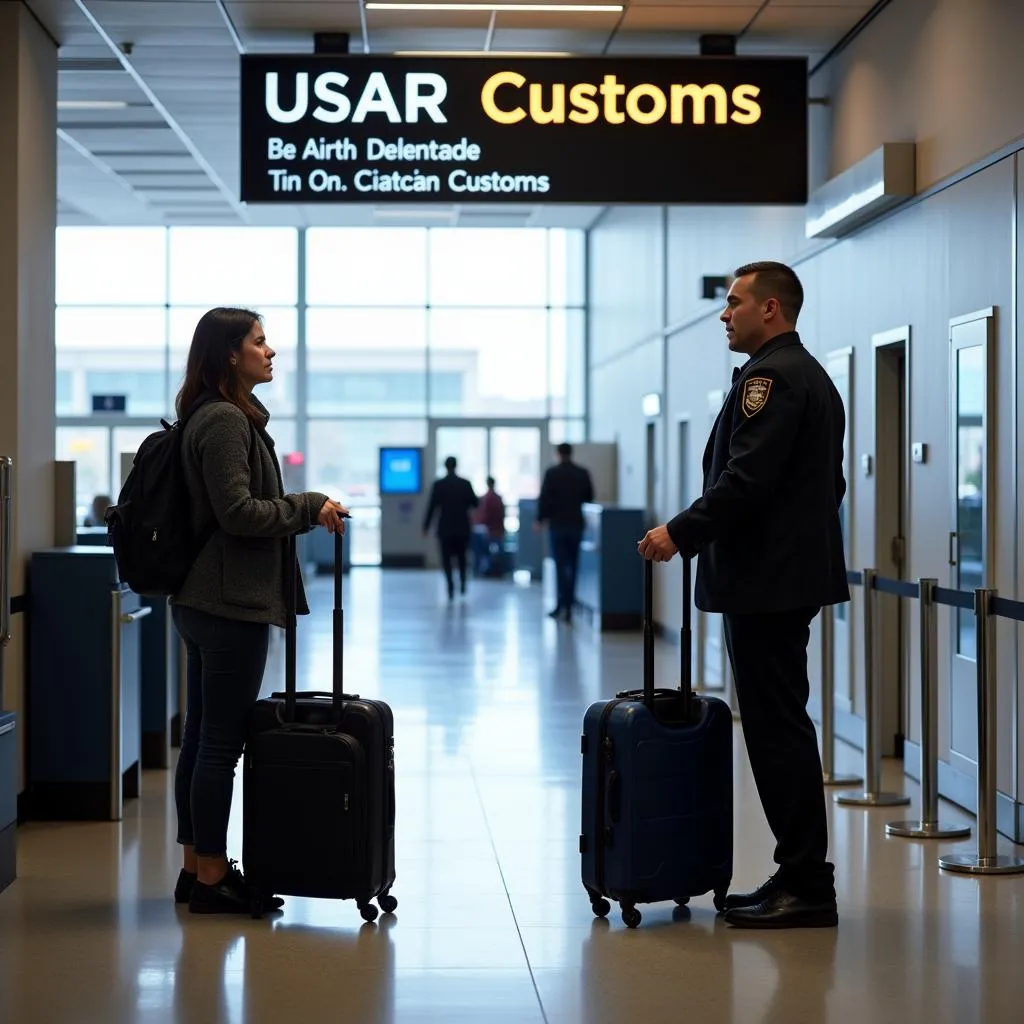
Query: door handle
x=953 y=535
x=141 y=613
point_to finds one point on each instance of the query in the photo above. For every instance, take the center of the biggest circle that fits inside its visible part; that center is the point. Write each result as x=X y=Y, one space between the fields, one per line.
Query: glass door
x=468 y=445
x=510 y=451
x=969 y=535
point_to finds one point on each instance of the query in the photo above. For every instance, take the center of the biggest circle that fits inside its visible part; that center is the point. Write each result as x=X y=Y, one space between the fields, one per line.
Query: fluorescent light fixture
x=651 y=405
x=400 y=214
x=482 y=53
x=862 y=192
x=386 y=5
x=91 y=104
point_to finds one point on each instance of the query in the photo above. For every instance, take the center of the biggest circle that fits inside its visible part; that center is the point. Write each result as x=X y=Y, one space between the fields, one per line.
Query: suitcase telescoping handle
x=685 y=640
x=337 y=681
x=290 y=627
x=338 y=674
x=649 y=634
x=686 y=644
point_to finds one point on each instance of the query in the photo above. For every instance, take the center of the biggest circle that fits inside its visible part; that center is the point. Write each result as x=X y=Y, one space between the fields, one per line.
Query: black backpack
x=150 y=527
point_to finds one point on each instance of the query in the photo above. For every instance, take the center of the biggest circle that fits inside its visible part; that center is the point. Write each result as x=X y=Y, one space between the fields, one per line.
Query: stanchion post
x=873 y=795
x=986 y=861
x=6 y=473
x=828 y=703
x=929 y=826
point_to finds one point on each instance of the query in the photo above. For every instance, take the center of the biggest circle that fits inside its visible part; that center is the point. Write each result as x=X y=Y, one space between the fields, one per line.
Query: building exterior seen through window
x=394 y=326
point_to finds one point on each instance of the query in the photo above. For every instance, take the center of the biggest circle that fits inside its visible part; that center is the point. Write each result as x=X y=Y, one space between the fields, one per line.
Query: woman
x=236 y=588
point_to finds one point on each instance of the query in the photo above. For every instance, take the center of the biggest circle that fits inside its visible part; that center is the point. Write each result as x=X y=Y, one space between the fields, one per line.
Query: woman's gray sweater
x=234 y=480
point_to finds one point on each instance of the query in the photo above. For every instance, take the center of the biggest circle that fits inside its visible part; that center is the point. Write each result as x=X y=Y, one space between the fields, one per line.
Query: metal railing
x=987 y=607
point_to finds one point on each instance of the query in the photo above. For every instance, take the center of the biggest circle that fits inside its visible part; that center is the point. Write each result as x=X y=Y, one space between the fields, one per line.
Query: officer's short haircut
x=450 y=463
x=776 y=281
x=565 y=450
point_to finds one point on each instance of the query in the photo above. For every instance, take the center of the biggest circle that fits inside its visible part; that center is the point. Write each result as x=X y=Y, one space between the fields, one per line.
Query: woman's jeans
x=226 y=659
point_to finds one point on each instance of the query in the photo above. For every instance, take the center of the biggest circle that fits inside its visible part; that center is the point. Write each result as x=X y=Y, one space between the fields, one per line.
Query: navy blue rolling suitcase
x=657 y=788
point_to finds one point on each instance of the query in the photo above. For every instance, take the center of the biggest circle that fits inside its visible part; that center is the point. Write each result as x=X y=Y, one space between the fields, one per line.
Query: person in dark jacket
x=567 y=487
x=235 y=589
x=453 y=499
x=770 y=554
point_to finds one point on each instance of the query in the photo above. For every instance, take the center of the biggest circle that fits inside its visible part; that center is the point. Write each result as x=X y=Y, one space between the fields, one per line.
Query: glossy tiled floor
x=493 y=925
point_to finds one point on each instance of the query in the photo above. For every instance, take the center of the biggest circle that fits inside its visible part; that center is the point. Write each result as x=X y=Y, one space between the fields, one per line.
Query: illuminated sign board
x=350 y=129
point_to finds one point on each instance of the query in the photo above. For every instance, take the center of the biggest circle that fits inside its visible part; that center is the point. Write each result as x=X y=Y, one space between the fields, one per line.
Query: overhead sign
x=349 y=129
x=109 y=403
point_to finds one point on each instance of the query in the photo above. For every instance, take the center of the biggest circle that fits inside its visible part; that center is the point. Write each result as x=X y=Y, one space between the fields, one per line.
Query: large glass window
x=366 y=266
x=391 y=325
x=567 y=362
x=500 y=355
x=367 y=362
x=89 y=449
x=111 y=267
x=343 y=463
x=111 y=350
x=488 y=267
x=253 y=267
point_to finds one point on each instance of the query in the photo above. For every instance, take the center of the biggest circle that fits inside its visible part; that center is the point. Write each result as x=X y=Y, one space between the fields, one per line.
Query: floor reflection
x=493 y=925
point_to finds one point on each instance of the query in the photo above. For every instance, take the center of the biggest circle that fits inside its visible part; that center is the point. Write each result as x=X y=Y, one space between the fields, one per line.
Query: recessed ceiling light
x=91 y=104
x=387 y=5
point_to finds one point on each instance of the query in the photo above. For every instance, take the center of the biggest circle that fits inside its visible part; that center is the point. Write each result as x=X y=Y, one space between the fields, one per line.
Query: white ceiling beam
x=229 y=24
x=172 y=123
x=362 y=25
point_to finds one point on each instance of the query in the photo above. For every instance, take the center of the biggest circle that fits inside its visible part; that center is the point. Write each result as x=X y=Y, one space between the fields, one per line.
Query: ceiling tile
x=808 y=20
x=303 y=15
x=690 y=19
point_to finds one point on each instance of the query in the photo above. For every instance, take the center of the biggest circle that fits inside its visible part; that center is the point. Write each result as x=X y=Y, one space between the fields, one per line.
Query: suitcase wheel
x=368 y=912
x=256 y=908
x=683 y=901
x=631 y=917
x=388 y=903
x=600 y=906
x=720 y=895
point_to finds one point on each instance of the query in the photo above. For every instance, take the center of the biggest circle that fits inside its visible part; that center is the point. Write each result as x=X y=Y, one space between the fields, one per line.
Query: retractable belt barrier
x=987 y=606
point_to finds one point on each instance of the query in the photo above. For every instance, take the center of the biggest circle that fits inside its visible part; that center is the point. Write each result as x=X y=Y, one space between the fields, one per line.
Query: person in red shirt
x=488 y=529
x=491 y=512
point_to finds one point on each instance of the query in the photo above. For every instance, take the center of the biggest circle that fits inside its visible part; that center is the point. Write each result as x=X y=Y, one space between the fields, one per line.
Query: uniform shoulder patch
x=755 y=395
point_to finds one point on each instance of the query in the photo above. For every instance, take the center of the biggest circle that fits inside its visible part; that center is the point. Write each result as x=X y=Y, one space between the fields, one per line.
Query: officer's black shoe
x=555 y=614
x=781 y=909
x=738 y=900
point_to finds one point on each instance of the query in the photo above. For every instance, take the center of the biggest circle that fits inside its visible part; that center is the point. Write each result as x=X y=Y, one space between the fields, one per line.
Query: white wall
x=945 y=74
x=28 y=216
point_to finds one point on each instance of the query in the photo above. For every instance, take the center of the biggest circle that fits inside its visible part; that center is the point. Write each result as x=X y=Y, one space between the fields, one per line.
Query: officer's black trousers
x=768 y=653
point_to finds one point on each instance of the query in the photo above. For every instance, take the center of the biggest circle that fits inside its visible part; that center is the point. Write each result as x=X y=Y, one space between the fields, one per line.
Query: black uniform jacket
x=767 y=526
x=454 y=498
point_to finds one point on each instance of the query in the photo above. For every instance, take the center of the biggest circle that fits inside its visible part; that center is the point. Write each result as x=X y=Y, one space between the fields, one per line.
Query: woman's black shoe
x=228 y=896
x=183 y=890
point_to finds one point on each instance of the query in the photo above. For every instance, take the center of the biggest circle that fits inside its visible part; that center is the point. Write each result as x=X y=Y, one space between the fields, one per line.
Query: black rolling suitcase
x=319 y=805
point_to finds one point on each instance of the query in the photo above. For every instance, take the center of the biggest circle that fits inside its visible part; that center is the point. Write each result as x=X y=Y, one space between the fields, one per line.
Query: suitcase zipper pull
x=346 y=803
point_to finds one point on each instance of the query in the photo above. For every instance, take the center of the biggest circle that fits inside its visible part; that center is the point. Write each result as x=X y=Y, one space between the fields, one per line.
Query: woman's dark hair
x=218 y=335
